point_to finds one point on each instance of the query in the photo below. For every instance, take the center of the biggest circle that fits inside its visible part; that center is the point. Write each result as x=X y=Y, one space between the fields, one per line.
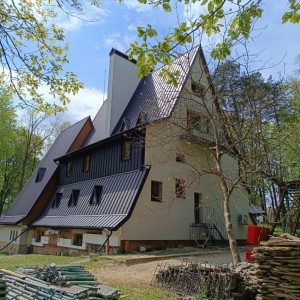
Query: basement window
x=96 y=195
x=180 y=188
x=56 y=200
x=86 y=163
x=74 y=198
x=77 y=239
x=156 y=191
x=40 y=174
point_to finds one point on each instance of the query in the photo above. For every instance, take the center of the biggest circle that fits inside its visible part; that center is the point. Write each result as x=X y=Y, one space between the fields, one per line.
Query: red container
x=249 y=257
x=257 y=234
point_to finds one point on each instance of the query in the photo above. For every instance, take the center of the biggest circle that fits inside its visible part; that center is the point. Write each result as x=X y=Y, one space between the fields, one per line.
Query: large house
x=131 y=177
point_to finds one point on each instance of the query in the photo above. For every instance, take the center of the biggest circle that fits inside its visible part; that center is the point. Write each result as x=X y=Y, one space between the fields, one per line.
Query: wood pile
x=278 y=271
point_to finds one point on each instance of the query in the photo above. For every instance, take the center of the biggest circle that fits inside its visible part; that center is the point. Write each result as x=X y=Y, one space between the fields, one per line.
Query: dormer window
x=142 y=118
x=40 y=174
x=123 y=126
x=197 y=122
x=126 y=150
x=74 y=198
x=86 y=163
x=96 y=195
x=198 y=88
x=56 y=200
x=69 y=169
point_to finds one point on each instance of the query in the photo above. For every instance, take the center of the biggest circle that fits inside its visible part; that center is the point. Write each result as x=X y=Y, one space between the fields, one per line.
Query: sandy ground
x=140 y=275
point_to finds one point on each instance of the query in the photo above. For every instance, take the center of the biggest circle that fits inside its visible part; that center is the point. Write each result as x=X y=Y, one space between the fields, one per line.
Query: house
x=130 y=177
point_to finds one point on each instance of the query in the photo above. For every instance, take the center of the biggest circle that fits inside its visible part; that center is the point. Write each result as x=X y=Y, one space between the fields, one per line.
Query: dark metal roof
x=119 y=194
x=154 y=96
x=32 y=189
x=98 y=133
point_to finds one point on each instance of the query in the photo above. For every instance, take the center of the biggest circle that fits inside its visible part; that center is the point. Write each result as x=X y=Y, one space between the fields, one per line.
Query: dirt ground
x=140 y=275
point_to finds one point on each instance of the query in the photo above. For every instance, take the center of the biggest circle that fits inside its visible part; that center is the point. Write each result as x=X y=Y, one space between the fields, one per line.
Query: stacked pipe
x=278 y=271
x=66 y=275
x=2 y=287
x=24 y=287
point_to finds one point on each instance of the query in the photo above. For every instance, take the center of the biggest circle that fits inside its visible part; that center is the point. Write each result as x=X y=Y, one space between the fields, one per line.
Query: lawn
x=130 y=290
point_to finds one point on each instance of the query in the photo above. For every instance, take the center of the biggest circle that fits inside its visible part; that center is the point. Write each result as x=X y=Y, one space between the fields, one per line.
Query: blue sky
x=113 y=25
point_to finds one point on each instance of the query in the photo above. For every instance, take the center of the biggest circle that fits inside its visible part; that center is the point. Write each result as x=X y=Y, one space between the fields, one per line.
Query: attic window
x=69 y=168
x=74 y=198
x=96 y=196
x=142 y=118
x=180 y=188
x=56 y=200
x=180 y=157
x=197 y=122
x=86 y=163
x=126 y=150
x=198 y=88
x=40 y=174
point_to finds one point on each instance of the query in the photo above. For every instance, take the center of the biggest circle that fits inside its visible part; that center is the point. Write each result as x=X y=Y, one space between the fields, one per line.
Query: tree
x=33 y=53
x=232 y=20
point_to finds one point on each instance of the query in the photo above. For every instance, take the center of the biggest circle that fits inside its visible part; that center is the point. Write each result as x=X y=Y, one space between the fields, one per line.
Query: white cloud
x=135 y=5
x=91 y=15
x=115 y=41
x=131 y=27
x=86 y=103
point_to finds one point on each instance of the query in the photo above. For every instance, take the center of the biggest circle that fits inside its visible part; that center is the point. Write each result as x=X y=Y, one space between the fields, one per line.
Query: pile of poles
x=278 y=270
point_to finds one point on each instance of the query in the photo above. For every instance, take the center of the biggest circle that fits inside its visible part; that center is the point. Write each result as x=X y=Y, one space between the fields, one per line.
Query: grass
x=11 y=262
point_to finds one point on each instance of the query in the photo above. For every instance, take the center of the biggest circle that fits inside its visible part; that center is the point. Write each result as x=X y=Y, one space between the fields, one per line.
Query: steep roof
x=154 y=97
x=33 y=188
x=99 y=122
x=118 y=196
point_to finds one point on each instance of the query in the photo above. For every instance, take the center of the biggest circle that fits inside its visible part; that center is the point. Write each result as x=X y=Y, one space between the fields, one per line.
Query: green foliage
x=33 y=53
x=210 y=21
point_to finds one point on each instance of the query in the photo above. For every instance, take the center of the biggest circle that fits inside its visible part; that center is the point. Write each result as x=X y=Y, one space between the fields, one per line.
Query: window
x=180 y=188
x=156 y=191
x=198 y=88
x=197 y=207
x=197 y=122
x=38 y=236
x=69 y=168
x=96 y=195
x=40 y=174
x=126 y=149
x=77 y=239
x=142 y=118
x=56 y=200
x=86 y=163
x=74 y=198
x=123 y=126
x=180 y=157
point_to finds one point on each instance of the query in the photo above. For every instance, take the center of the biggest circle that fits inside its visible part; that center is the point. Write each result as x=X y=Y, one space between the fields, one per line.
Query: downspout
x=14 y=239
x=108 y=235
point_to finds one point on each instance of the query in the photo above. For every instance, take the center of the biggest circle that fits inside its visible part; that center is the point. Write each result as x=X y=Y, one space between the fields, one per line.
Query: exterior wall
x=121 y=86
x=171 y=219
x=60 y=242
x=105 y=160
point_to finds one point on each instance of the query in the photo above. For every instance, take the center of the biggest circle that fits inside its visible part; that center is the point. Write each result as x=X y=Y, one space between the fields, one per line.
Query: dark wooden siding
x=104 y=161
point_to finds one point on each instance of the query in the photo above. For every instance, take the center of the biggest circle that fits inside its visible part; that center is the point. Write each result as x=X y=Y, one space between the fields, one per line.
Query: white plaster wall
x=5 y=233
x=171 y=219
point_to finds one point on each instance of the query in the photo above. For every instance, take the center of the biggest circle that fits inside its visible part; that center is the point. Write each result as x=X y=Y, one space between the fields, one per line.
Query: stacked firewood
x=278 y=270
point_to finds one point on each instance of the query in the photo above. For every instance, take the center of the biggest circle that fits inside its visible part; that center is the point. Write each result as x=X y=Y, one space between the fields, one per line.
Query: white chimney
x=122 y=83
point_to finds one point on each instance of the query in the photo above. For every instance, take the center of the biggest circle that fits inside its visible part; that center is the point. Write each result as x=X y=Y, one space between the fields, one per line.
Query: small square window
x=180 y=188
x=74 y=198
x=126 y=150
x=40 y=174
x=96 y=195
x=77 y=239
x=69 y=168
x=56 y=200
x=86 y=163
x=198 y=88
x=156 y=191
x=180 y=157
